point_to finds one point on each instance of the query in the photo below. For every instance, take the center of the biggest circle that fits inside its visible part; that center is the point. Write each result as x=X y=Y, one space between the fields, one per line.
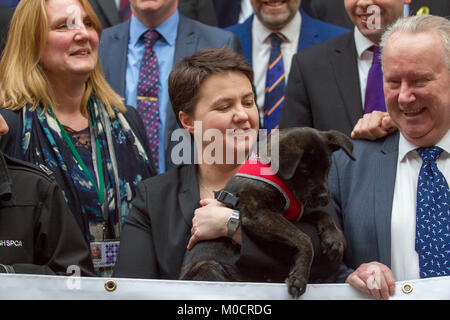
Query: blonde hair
x=23 y=79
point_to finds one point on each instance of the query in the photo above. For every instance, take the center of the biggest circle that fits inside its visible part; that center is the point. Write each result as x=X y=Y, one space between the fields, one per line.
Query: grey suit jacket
x=192 y=36
x=323 y=89
x=106 y=12
x=362 y=193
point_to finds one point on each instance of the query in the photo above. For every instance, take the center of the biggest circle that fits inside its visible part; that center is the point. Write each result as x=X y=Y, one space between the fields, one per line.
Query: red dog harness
x=255 y=169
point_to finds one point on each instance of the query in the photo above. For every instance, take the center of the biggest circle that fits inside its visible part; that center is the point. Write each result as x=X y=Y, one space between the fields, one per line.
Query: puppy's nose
x=323 y=198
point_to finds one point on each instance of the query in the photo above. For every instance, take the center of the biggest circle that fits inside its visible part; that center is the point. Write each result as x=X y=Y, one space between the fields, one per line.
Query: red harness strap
x=257 y=170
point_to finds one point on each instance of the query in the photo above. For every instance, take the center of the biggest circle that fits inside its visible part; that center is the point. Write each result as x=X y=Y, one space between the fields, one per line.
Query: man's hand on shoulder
x=374 y=125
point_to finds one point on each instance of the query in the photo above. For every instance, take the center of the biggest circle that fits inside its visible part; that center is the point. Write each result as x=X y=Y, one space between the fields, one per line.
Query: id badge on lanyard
x=104 y=253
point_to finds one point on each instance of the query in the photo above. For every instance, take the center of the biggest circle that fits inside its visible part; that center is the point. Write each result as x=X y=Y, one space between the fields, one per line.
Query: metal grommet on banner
x=407 y=288
x=110 y=285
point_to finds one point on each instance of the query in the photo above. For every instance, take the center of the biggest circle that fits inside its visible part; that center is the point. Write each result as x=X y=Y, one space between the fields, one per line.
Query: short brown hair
x=187 y=76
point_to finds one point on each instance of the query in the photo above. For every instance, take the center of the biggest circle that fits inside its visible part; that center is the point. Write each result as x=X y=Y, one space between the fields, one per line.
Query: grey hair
x=419 y=24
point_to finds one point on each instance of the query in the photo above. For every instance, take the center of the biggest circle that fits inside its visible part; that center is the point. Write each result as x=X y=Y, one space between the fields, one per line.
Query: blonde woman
x=62 y=115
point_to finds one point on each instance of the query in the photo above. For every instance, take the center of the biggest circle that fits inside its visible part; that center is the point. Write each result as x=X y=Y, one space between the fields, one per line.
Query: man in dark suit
x=327 y=84
x=5 y=18
x=106 y=11
x=436 y=7
x=122 y=48
x=299 y=30
x=331 y=11
x=377 y=196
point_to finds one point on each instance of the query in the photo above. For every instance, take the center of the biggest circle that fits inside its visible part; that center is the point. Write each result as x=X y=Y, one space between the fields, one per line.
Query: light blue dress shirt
x=165 y=51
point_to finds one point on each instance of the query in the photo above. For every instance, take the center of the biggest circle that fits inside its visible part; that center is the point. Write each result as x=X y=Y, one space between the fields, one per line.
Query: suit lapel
x=187 y=38
x=110 y=10
x=246 y=39
x=119 y=45
x=186 y=45
x=384 y=193
x=344 y=63
x=308 y=33
x=188 y=192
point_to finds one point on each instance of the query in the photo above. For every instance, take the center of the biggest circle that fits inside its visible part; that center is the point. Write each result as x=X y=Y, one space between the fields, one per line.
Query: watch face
x=233 y=223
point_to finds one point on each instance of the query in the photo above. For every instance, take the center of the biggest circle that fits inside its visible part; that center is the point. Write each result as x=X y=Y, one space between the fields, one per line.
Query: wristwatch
x=233 y=223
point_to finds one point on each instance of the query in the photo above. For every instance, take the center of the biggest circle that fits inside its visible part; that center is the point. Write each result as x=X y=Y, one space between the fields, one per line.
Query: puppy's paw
x=296 y=285
x=333 y=244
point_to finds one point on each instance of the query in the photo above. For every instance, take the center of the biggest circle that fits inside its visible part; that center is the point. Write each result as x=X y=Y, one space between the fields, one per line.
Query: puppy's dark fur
x=304 y=162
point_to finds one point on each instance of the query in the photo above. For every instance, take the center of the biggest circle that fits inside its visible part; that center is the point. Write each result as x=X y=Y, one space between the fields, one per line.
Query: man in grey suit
x=326 y=87
x=377 y=196
x=122 y=48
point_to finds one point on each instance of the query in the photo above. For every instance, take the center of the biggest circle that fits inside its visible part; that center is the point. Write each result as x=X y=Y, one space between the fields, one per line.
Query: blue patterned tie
x=275 y=84
x=148 y=93
x=432 y=217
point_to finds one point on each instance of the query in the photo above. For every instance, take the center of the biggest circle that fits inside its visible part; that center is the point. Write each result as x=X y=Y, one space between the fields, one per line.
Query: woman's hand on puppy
x=210 y=222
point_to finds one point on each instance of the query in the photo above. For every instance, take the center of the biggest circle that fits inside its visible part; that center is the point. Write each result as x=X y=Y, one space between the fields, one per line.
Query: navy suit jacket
x=192 y=36
x=313 y=31
x=362 y=194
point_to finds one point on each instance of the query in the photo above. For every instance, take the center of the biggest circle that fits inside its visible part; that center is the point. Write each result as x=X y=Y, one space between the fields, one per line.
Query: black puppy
x=303 y=164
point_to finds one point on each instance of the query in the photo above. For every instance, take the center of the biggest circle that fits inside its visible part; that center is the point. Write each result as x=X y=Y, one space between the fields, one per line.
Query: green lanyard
x=101 y=187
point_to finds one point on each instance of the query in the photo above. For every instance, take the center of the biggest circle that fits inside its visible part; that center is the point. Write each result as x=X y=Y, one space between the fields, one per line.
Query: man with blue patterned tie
x=393 y=200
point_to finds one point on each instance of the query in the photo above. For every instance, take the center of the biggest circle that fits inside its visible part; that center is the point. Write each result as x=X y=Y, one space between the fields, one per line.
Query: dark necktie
x=124 y=10
x=275 y=83
x=374 y=89
x=432 y=217
x=148 y=93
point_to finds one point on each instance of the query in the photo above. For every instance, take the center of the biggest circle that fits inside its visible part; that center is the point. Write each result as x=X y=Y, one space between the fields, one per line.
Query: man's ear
x=187 y=121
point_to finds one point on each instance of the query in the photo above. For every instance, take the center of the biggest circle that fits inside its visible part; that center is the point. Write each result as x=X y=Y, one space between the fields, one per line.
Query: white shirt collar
x=362 y=43
x=405 y=147
x=291 y=31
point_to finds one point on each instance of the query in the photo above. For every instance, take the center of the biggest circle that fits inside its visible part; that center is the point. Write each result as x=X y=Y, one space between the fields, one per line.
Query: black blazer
x=330 y=11
x=157 y=231
x=437 y=7
x=5 y=18
x=200 y=10
x=323 y=89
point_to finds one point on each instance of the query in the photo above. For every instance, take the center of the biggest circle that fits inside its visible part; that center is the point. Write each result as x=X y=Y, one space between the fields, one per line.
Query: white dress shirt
x=404 y=258
x=246 y=10
x=261 y=53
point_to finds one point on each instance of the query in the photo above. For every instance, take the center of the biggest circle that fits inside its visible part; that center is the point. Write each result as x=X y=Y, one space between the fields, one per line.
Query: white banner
x=36 y=287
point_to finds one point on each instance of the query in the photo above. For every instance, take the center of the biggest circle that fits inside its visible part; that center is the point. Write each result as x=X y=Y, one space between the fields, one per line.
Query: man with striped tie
x=269 y=38
x=393 y=201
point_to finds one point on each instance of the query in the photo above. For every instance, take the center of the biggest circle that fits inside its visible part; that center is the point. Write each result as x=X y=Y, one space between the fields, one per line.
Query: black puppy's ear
x=286 y=161
x=337 y=140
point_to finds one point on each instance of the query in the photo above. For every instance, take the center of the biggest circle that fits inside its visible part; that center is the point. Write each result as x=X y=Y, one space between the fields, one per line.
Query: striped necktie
x=148 y=105
x=432 y=217
x=124 y=10
x=275 y=83
x=374 y=89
